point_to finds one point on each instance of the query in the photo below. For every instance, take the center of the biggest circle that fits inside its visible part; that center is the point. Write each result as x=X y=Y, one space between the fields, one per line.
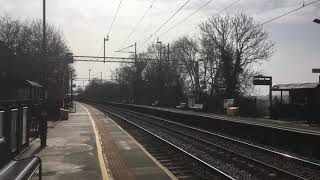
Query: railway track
x=181 y=163
x=256 y=163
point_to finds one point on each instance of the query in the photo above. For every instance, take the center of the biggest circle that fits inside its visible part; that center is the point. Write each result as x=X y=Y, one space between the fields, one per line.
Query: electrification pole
x=136 y=78
x=197 y=81
x=168 y=52
x=135 y=52
x=71 y=90
x=161 y=80
x=104 y=48
x=160 y=42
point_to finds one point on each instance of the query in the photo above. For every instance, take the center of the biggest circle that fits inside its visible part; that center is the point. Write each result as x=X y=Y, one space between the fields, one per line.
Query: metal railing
x=1 y=122
x=20 y=123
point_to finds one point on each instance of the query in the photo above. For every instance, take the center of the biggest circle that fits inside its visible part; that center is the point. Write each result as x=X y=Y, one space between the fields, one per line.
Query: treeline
x=216 y=63
x=21 y=56
x=21 y=48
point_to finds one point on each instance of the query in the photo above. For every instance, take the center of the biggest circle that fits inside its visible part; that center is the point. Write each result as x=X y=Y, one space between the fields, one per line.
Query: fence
x=19 y=123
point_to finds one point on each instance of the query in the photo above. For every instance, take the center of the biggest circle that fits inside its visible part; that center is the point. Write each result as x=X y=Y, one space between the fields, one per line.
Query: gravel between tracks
x=212 y=156
x=281 y=162
x=198 y=169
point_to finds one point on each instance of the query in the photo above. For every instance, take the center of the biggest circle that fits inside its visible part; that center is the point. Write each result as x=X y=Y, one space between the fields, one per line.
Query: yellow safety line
x=99 y=148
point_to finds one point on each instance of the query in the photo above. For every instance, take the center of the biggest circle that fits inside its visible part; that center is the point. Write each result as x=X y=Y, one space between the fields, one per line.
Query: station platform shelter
x=303 y=101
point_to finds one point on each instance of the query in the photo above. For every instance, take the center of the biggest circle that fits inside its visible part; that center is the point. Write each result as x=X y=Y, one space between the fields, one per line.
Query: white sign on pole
x=315 y=70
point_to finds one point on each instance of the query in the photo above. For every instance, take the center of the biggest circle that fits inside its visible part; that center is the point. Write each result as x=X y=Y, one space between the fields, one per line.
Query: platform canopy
x=287 y=87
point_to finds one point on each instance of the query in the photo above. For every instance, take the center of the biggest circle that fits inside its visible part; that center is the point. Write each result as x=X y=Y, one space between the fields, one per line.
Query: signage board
x=315 y=70
x=262 y=80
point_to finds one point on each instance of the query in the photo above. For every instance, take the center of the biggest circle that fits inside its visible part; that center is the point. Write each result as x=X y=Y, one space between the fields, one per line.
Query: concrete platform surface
x=71 y=152
x=124 y=157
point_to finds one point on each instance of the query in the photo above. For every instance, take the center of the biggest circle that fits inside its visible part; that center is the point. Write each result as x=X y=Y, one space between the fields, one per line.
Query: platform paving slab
x=71 y=152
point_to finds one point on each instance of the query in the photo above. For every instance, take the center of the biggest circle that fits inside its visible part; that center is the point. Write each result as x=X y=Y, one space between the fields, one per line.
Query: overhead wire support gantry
x=117 y=60
x=108 y=59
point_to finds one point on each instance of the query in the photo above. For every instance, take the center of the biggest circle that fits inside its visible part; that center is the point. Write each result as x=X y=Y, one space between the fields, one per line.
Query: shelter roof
x=295 y=86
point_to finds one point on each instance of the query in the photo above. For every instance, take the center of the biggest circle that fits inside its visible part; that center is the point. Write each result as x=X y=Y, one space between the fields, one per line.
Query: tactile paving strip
x=116 y=163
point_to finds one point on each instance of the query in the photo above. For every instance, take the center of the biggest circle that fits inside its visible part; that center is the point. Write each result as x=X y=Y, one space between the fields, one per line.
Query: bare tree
x=239 y=43
x=9 y=32
x=24 y=40
x=184 y=52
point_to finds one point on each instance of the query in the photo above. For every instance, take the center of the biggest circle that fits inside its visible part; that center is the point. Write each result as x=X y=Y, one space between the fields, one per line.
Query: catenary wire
x=174 y=14
x=114 y=18
x=219 y=12
x=289 y=12
x=187 y=17
x=135 y=27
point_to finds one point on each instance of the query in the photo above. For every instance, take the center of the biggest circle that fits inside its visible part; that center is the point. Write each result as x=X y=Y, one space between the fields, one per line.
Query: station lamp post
x=43 y=123
x=44 y=54
x=104 y=48
x=318 y=69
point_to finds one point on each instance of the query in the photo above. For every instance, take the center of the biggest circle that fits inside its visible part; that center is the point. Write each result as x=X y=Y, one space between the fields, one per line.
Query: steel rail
x=217 y=171
x=280 y=171
x=230 y=139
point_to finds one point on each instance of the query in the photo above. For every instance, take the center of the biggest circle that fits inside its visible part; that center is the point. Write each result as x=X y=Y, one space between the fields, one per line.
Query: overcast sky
x=85 y=23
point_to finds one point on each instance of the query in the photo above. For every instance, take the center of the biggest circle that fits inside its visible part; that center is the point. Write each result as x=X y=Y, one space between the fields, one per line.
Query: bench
x=18 y=169
x=155 y=103
x=196 y=107
x=182 y=106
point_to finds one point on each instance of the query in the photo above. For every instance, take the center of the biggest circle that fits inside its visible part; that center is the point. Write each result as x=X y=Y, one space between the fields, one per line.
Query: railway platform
x=92 y=146
x=300 y=126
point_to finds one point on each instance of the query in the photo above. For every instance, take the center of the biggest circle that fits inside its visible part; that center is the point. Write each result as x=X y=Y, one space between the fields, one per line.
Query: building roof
x=295 y=86
x=35 y=84
x=13 y=83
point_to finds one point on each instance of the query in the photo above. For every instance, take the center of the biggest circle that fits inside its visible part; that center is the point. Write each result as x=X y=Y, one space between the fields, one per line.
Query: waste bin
x=233 y=111
x=64 y=114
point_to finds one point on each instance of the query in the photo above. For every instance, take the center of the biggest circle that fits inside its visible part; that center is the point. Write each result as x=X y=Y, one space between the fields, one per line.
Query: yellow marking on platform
x=99 y=148
x=173 y=177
